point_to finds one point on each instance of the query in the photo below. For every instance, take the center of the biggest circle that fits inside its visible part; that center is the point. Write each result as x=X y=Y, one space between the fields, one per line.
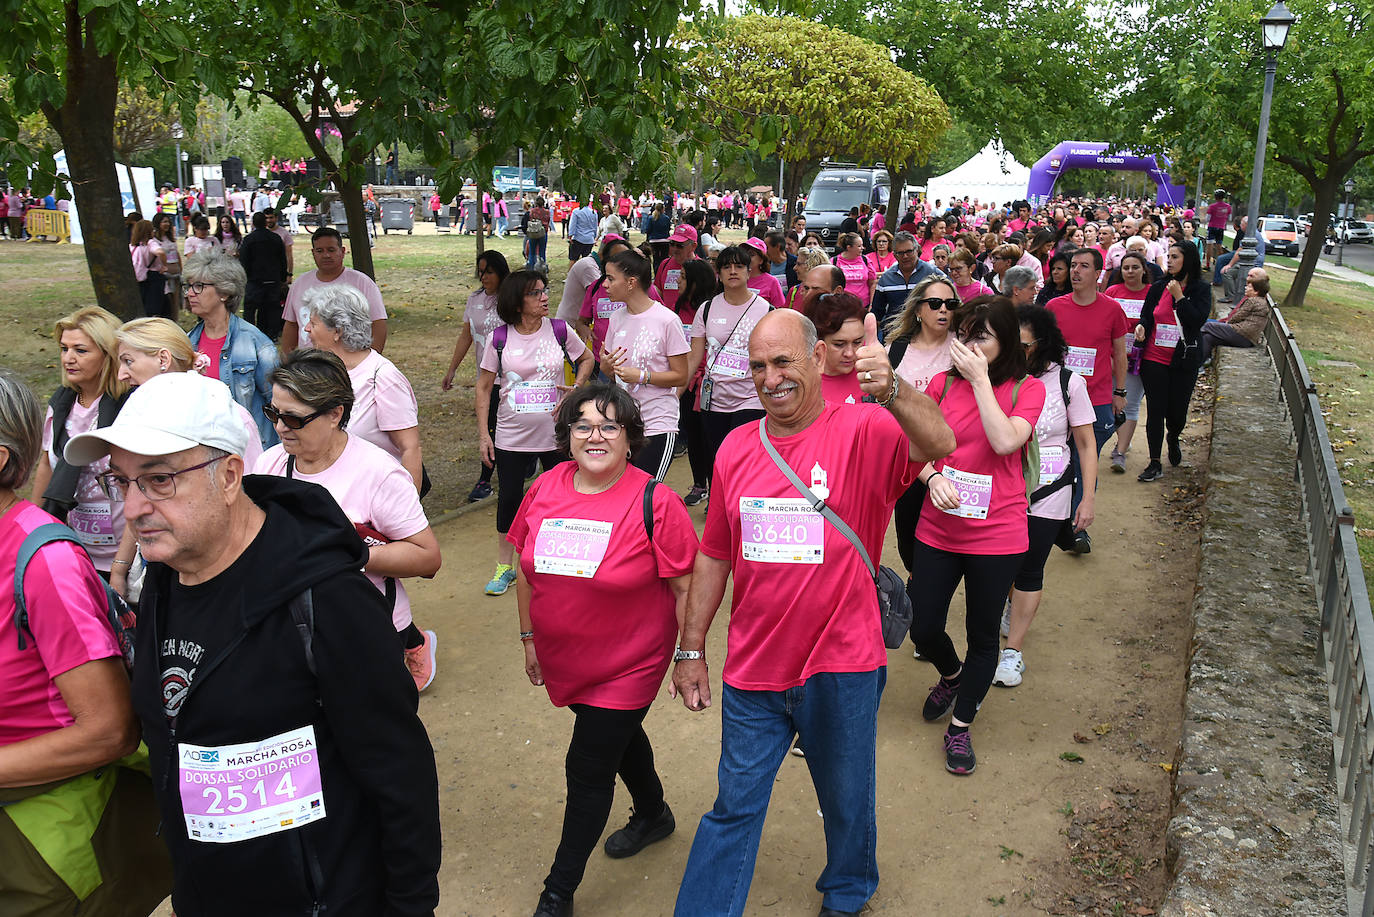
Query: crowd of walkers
x=242 y=507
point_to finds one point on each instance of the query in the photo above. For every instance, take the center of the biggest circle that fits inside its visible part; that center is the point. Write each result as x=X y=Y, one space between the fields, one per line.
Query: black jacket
x=376 y=851
x=263 y=256
x=1192 y=311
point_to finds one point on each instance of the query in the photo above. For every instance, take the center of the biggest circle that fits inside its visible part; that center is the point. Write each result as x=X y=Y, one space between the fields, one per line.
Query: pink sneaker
x=420 y=661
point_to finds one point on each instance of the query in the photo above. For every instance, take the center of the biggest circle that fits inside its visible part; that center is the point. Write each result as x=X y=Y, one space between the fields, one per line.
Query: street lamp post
x=1345 y=215
x=1274 y=28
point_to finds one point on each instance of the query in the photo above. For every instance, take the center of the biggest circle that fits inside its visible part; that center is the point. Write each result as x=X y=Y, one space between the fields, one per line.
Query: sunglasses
x=935 y=304
x=290 y=421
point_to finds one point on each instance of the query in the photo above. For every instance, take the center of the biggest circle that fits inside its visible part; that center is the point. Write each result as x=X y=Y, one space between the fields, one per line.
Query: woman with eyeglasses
x=1004 y=258
x=918 y=345
x=974 y=527
x=312 y=402
x=961 y=269
x=479 y=320
x=385 y=410
x=1171 y=321
x=881 y=258
x=524 y=358
x=1068 y=412
x=238 y=354
x=605 y=567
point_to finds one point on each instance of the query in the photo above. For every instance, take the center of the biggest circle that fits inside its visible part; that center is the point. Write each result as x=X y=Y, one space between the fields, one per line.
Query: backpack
x=560 y=331
x=535 y=228
x=1067 y=477
x=121 y=617
x=1030 y=452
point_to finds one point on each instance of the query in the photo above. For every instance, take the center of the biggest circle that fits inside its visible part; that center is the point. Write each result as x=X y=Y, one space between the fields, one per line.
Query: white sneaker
x=1009 y=669
x=1006 y=618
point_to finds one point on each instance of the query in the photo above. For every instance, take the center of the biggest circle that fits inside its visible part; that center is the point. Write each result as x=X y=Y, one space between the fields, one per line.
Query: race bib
x=1053 y=461
x=232 y=793
x=1132 y=308
x=781 y=531
x=534 y=397
x=731 y=362
x=571 y=547
x=92 y=523
x=671 y=279
x=606 y=307
x=975 y=493
x=1080 y=360
x=1166 y=336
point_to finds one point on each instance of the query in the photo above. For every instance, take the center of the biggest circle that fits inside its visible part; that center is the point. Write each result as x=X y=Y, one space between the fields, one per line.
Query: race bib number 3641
x=233 y=793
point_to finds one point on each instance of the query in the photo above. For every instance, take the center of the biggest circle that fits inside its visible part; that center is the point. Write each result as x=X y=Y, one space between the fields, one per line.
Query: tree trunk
x=360 y=242
x=85 y=122
x=481 y=219
x=1325 y=193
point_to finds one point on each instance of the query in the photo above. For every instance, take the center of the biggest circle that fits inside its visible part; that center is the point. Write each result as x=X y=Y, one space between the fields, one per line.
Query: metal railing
x=1346 y=646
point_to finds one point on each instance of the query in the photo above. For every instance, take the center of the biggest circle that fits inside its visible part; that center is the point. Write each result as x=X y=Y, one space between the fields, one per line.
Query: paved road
x=1358 y=255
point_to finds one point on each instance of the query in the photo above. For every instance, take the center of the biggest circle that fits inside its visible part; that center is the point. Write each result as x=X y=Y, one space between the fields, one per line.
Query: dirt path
x=1030 y=832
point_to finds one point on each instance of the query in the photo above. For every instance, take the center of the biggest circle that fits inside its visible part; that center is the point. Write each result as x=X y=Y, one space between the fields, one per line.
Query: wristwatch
x=682 y=655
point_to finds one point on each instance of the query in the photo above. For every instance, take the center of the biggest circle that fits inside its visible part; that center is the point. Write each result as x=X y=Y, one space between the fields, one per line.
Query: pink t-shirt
x=1131 y=302
x=597 y=309
x=1091 y=331
x=97 y=520
x=1218 y=213
x=66 y=603
x=371 y=488
x=727 y=352
x=977 y=288
x=531 y=370
x=601 y=608
x=383 y=401
x=649 y=339
x=803 y=601
x=668 y=278
x=1052 y=433
x=1160 y=347
x=295 y=310
x=857 y=274
x=919 y=365
x=211 y=348
x=842 y=389
x=928 y=247
x=880 y=263
x=767 y=286
x=991 y=517
x=480 y=314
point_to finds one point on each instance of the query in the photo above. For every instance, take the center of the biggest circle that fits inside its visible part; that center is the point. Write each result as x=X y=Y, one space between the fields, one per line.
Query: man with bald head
x=823 y=278
x=806 y=650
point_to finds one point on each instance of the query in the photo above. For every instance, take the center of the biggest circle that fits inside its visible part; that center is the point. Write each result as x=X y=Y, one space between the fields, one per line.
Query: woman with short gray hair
x=240 y=355
x=1019 y=285
x=385 y=411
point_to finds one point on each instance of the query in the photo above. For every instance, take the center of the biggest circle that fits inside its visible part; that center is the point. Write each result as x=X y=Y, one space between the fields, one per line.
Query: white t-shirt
x=480 y=315
x=649 y=339
x=372 y=489
x=295 y=310
x=383 y=401
x=1052 y=432
x=531 y=371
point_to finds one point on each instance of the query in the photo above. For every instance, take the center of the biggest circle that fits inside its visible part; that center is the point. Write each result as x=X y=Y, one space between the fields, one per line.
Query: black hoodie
x=377 y=850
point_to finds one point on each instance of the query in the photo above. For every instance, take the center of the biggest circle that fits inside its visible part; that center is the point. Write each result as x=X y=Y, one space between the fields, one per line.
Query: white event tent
x=147 y=193
x=993 y=175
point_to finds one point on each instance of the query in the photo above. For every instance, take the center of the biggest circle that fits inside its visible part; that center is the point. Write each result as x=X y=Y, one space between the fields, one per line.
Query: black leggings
x=487 y=470
x=510 y=481
x=1168 y=390
x=906 y=514
x=717 y=425
x=1043 y=532
x=154 y=295
x=604 y=743
x=689 y=425
x=655 y=455
x=987 y=580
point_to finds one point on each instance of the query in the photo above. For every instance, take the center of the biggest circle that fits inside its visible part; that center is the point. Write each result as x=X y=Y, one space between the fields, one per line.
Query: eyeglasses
x=935 y=304
x=583 y=429
x=1027 y=345
x=537 y=294
x=155 y=485
x=903 y=251
x=196 y=288
x=290 y=421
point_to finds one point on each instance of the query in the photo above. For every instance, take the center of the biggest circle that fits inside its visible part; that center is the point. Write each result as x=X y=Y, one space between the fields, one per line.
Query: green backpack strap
x=1030 y=452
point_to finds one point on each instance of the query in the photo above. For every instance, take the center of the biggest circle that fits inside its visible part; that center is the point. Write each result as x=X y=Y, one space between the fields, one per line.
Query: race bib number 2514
x=233 y=793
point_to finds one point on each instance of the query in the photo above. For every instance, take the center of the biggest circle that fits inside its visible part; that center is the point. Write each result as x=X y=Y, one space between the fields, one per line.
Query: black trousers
x=906 y=514
x=154 y=295
x=717 y=425
x=656 y=454
x=987 y=580
x=689 y=425
x=604 y=743
x=486 y=471
x=510 y=481
x=262 y=306
x=1168 y=390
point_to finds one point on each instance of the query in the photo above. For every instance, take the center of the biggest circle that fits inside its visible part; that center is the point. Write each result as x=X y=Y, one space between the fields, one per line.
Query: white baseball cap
x=169 y=413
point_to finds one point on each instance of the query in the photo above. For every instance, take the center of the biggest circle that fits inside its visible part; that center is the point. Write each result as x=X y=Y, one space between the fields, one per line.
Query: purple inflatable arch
x=1077 y=154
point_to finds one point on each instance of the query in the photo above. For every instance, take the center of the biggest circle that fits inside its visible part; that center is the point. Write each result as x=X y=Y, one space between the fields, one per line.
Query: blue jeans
x=1217 y=265
x=836 y=715
x=537 y=248
x=501 y=226
x=1103 y=426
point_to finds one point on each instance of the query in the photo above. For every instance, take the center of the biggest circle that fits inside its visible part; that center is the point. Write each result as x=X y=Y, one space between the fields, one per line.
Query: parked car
x=1280 y=235
x=1304 y=223
x=1352 y=231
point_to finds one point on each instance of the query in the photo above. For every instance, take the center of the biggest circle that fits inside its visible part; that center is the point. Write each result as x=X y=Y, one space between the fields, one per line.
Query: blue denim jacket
x=245 y=363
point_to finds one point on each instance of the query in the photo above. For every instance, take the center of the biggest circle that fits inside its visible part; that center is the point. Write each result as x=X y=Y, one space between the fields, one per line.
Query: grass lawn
x=1336 y=326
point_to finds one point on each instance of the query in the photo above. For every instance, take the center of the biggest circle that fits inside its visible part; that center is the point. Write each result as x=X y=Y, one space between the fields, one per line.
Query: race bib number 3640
x=235 y=792
x=781 y=531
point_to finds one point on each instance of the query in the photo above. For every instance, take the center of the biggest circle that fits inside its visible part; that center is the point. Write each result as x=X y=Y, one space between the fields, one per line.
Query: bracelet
x=892 y=393
x=931 y=475
x=526 y=635
x=1119 y=392
x=122 y=563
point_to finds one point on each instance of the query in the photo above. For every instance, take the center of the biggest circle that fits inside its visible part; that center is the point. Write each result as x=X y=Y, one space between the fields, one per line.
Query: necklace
x=581 y=487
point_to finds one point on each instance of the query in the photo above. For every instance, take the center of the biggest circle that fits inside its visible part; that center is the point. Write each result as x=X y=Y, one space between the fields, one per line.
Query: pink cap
x=683 y=233
x=756 y=243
